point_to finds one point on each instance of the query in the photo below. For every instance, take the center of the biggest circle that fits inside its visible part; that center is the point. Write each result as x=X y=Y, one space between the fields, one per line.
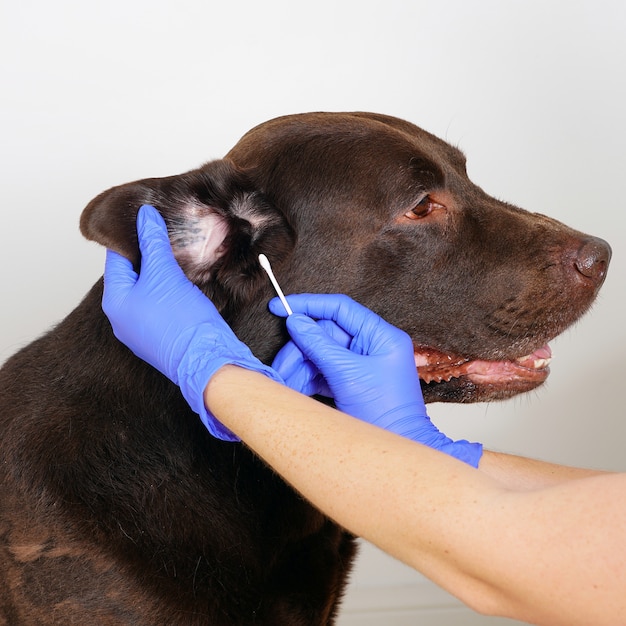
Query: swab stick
x=265 y=264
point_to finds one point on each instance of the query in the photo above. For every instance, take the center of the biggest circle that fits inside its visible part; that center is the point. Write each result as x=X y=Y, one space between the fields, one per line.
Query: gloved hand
x=364 y=363
x=168 y=322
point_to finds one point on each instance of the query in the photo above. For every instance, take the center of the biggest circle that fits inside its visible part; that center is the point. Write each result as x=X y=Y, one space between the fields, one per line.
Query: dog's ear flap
x=110 y=218
x=218 y=223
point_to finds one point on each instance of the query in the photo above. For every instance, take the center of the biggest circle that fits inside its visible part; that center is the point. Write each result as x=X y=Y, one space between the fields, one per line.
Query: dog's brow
x=457 y=156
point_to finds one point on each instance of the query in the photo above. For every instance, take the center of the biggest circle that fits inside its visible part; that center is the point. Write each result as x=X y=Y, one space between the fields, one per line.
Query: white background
x=100 y=93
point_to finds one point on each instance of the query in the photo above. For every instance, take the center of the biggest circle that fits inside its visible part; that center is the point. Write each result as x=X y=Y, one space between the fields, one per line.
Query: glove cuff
x=465 y=451
x=198 y=366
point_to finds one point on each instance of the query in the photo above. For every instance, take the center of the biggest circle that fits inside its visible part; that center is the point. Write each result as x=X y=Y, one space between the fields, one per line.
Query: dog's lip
x=436 y=366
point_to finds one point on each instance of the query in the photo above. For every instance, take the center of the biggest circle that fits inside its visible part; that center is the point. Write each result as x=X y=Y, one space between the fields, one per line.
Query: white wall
x=95 y=94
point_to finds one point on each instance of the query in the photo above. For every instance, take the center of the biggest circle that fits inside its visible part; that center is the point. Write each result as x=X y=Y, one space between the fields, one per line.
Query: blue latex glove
x=168 y=322
x=364 y=363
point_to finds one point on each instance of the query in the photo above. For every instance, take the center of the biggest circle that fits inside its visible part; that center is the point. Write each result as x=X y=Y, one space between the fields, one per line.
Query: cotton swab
x=265 y=264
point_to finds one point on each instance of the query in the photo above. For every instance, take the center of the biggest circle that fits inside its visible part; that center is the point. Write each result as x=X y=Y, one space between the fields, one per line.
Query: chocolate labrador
x=116 y=507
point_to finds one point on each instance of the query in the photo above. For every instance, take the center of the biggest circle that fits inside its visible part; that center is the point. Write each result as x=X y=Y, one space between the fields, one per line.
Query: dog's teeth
x=541 y=363
x=429 y=377
x=533 y=363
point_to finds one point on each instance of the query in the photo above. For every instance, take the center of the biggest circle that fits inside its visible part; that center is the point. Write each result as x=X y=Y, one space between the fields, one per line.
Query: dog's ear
x=218 y=223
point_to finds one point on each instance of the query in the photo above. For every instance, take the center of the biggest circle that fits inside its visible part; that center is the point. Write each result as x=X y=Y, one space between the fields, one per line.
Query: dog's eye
x=423 y=208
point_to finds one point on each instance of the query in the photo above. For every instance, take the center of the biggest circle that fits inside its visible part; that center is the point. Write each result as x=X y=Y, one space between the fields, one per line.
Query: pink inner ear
x=197 y=242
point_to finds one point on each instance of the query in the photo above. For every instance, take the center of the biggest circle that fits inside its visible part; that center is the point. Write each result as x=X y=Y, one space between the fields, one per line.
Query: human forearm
x=398 y=494
x=521 y=473
x=550 y=555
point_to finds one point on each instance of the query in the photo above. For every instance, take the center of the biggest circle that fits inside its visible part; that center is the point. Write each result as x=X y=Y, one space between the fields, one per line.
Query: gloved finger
x=329 y=330
x=336 y=332
x=371 y=333
x=317 y=305
x=353 y=317
x=119 y=279
x=316 y=344
x=288 y=359
x=298 y=371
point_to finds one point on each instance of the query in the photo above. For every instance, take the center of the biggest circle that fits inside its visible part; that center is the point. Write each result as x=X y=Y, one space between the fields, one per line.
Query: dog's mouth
x=500 y=378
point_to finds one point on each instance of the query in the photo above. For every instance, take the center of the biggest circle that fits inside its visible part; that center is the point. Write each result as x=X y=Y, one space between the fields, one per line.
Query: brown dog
x=116 y=507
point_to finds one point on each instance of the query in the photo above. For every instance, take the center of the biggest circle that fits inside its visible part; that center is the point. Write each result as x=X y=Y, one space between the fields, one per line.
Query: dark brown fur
x=116 y=507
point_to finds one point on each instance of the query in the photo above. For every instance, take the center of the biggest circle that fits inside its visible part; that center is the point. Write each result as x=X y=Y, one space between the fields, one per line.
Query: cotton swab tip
x=265 y=264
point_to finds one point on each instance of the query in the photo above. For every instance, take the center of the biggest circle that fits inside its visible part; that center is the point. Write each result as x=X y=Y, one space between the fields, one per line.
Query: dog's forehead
x=364 y=139
x=417 y=137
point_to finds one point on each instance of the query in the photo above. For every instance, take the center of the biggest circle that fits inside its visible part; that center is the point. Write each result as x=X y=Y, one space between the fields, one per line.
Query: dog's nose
x=592 y=260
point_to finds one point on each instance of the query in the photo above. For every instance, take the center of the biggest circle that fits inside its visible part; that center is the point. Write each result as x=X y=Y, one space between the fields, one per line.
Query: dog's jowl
x=116 y=507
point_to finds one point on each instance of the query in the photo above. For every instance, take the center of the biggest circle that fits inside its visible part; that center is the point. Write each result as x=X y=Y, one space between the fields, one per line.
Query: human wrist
x=223 y=392
x=195 y=373
x=208 y=351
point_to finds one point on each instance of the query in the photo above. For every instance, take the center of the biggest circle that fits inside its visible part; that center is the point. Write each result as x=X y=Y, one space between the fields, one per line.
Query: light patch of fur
x=197 y=242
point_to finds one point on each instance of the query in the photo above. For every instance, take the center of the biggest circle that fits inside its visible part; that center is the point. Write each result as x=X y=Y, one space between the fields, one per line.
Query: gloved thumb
x=151 y=227
x=154 y=242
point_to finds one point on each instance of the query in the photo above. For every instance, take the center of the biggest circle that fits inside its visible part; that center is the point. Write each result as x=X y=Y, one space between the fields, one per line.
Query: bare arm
x=548 y=550
x=521 y=473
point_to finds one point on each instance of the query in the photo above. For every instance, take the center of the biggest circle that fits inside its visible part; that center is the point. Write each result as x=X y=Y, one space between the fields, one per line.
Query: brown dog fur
x=116 y=507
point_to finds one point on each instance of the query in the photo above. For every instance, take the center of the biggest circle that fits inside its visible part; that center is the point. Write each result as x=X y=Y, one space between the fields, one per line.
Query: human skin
x=529 y=540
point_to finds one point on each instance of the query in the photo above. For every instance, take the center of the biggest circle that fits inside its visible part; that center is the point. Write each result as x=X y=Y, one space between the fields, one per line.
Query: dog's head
x=377 y=208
